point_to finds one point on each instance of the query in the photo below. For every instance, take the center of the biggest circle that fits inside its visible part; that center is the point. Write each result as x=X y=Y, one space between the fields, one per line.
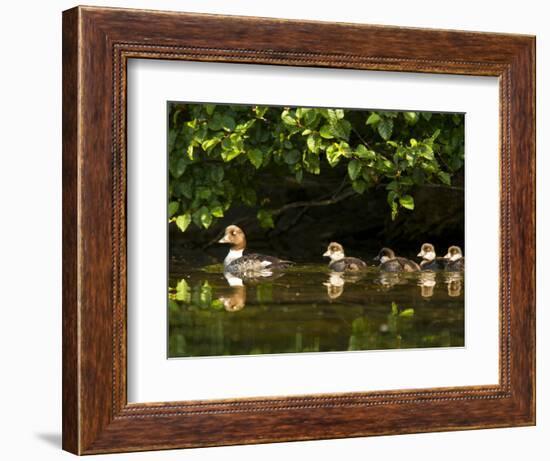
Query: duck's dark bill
x=298 y=230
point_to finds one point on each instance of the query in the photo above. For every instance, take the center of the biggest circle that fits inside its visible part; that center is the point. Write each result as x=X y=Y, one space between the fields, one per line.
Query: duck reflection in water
x=337 y=280
x=454 y=283
x=389 y=279
x=427 y=282
x=335 y=285
x=236 y=300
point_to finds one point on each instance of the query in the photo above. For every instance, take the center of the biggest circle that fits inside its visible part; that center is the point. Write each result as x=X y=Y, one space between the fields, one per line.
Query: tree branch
x=441 y=186
x=361 y=138
x=329 y=201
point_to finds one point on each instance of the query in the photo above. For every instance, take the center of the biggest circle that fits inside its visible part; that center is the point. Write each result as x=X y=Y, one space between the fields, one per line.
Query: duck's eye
x=234 y=233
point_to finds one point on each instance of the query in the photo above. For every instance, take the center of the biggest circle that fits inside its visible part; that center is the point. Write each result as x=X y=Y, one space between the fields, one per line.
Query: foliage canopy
x=216 y=153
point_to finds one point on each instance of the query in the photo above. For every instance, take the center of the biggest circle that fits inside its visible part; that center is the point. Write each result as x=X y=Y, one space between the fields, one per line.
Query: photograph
x=313 y=229
x=266 y=216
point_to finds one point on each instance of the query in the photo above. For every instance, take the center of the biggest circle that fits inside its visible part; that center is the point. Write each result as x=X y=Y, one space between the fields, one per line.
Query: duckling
x=391 y=263
x=430 y=262
x=455 y=260
x=339 y=262
x=251 y=263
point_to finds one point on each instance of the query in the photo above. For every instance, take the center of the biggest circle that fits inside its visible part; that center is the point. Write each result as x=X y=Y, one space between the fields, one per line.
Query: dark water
x=310 y=309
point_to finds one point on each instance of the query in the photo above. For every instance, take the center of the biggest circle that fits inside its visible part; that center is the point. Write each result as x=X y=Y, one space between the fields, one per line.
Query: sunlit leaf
x=406 y=201
x=183 y=221
x=373 y=119
x=326 y=132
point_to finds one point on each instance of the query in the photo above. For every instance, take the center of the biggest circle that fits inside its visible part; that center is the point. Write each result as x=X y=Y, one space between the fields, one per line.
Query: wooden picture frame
x=97 y=43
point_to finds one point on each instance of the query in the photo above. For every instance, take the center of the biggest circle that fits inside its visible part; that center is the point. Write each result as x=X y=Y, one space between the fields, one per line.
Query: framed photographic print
x=266 y=225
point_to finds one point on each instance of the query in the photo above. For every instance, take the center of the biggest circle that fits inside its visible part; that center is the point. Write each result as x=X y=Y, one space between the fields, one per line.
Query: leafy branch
x=217 y=153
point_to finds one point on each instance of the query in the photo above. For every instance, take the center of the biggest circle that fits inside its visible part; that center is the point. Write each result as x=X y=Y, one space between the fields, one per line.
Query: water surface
x=310 y=309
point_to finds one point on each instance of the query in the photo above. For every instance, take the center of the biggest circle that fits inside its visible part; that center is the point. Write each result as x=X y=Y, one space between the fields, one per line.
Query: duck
x=251 y=264
x=391 y=263
x=339 y=262
x=455 y=259
x=430 y=261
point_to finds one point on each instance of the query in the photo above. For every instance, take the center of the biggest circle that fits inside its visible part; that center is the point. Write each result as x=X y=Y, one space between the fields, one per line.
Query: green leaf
x=217 y=173
x=172 y=135
x=394 y=208
x=288 y=119
x=292 y=156
x=373 y=119
x=266 y=219
x=229 y=155
x=205 y=217
x=354 y=169
x=190 y=152
x=326 y=132
x=444 y=177
x=385 y=128
x=210 y=108
x=411 y=117
x=311 y=118
x=217 y=211
x=173 y=208
x=406 y=201
x=311 y=163
x=362 y=152
x=313 y=143
x=260 y=111
x=183 y=221
x=255 y=156
x=333 y=153
x=228 y=123
x=426 y=115
x=359 y=186
x=406 y=181
x=406 y=313
x=210 y=143
x=203 y=192
x=178 y=167
x=185 y=188
x=341 y=129
x=392 y=197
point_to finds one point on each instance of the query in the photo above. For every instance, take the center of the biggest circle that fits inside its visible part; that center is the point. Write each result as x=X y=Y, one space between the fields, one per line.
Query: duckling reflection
x=335 y=285
x=454 y=283
x=236 y=300
x=389 y=279
x=337 y=280
x=427 y=282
